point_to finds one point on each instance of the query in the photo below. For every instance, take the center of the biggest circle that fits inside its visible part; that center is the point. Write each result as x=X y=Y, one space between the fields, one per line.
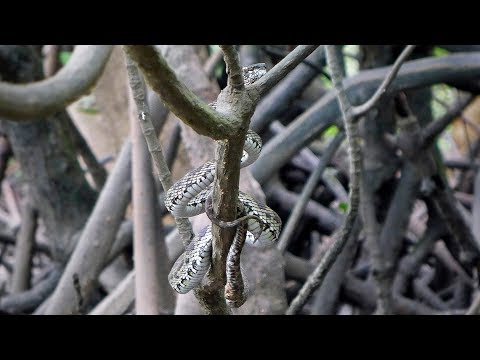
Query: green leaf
x=326 y=82
x=331 y=131
x=438 y=51
x=64 y=56
x=343 y=207
x=444 y=145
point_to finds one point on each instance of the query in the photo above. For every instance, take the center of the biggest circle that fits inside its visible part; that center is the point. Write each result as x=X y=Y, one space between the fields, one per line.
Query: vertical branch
x=225 y=194
x=152 y=292
x=163 y=173
x=317 y=277
x=362 y=109
x=23 y=249
x=351 y=129
x=234 y=70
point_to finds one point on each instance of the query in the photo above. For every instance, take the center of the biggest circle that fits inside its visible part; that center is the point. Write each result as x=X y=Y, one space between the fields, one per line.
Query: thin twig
x=435 y=128
x=307 y=191
x=152 y=290
x=279 y=71
x=234 y=70
x=362 y=109
x=316 y=279
x=163 y=172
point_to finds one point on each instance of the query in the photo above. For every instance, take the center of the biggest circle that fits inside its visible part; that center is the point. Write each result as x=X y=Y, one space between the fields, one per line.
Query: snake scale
x=188 y=197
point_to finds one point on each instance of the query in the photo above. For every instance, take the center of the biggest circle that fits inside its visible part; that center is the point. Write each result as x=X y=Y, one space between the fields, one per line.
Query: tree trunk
x=47 y=159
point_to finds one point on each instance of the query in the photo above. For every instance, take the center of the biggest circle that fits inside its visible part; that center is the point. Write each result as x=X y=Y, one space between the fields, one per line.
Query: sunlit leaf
x=343 y=207
x=331 y=131
x=438 y=51
x=64 y=56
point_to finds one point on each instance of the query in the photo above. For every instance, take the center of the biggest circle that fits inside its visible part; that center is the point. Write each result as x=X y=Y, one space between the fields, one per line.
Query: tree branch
x=325 y=111
x=24 y=246
x=435 y=128
x=153 y=292
x=282 y=95
x=161 y=167
x=307 y=191
x=178 y=98
x=354 y=194
x=446 y=205
x=362 y=109
x=30 y=299
x=118 y=301
x=279 y=71
x=97 y=237
x=34 y=101
x=234 y=70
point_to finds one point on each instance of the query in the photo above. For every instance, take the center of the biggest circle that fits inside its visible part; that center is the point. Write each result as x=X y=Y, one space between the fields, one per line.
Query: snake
x=189 y=196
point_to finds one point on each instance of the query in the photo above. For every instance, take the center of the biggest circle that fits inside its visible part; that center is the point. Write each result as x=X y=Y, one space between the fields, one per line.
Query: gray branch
x=279 y=71
x=282 y=95
x=24 y=247
x=325 y=111
x=362 y=109
x=316 y=279
x=161 y=167
x=435 y=128
x=118 y=301
x=178 y=98
x=153 y=292
x=307 y=191
x=234 y=70
x=97 y=237
x=30 y=299
x=34 y=101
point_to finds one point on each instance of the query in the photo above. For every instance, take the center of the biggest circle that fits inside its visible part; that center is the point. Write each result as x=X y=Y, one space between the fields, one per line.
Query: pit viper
x=188 y=197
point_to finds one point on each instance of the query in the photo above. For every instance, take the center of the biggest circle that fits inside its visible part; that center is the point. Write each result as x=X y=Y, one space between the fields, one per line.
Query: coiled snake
x=190 y=196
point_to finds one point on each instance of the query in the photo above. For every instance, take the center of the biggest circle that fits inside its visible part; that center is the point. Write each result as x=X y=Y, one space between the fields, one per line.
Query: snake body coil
x=187 y=198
